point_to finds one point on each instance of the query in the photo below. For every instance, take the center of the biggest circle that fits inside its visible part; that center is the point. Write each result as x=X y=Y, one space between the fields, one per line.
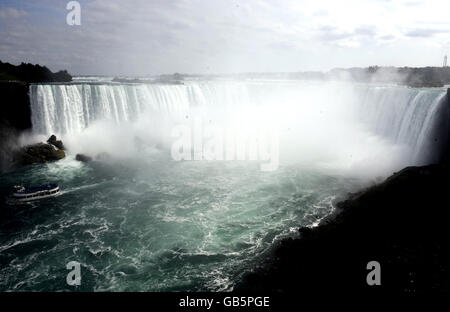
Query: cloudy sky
x=145 y=37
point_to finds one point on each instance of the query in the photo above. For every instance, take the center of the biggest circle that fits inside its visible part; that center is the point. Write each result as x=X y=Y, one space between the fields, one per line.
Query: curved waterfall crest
x=404 y=116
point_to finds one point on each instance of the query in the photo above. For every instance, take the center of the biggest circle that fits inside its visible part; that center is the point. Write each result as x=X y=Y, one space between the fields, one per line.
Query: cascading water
x=406 y=116
x=71 y=108
x=140 y=221
x=403 y=116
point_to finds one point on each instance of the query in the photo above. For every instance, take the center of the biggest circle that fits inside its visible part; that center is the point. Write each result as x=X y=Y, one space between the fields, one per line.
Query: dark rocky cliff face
x=439 y=148
x=15 y=109
x=15 y=117
x=443 y=132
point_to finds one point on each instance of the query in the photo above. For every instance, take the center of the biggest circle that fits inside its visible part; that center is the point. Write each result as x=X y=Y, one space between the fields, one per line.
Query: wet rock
x=83 y=158
x=55 y=142
x=37 y=153
x=305 y=231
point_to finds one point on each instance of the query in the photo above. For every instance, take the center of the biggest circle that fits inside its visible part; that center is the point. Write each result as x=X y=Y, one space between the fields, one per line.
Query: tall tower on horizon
x=445 y=61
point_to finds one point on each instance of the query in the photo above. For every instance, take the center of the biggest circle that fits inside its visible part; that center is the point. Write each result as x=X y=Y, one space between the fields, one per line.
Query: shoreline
x=402 y=223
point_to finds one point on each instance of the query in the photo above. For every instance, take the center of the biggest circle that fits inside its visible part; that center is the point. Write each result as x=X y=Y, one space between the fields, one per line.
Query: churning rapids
x=138 y=220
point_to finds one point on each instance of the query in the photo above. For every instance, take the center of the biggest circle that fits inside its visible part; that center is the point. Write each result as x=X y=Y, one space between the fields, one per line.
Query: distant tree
x=373 y=69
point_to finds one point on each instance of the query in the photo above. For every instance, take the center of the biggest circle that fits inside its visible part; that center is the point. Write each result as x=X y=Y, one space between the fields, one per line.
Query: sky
x=149 y=37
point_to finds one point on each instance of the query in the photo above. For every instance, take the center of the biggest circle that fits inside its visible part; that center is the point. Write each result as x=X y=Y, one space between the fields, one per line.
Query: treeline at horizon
x=410 y=76
x=30 y=73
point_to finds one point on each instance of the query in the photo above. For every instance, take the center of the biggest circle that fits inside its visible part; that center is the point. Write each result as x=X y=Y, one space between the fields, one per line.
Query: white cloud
x=426 y=32
x=11 y=13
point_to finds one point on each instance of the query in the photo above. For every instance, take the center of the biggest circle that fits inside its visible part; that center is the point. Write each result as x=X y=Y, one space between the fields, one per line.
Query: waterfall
x=403 y=116
x=70 y=108
x=407 y=116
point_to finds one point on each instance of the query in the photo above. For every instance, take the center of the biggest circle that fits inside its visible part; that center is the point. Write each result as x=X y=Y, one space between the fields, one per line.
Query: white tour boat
x=22 y=193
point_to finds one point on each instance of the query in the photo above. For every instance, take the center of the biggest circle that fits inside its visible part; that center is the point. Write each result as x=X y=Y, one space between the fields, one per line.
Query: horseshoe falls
x=137 y=219
x=401 y=116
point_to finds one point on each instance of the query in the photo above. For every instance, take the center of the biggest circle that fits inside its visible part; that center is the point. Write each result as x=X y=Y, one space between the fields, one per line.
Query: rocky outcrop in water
x=83 y=158
x=40 y=152
x=55 y=142
x=99 y=157
x=401 y=223
x=37 y=153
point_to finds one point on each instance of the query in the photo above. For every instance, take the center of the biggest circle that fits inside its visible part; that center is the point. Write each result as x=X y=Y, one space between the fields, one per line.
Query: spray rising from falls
x=324 y=122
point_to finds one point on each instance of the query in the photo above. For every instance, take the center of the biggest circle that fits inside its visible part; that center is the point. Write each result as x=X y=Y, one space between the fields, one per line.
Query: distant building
x=445 y=61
